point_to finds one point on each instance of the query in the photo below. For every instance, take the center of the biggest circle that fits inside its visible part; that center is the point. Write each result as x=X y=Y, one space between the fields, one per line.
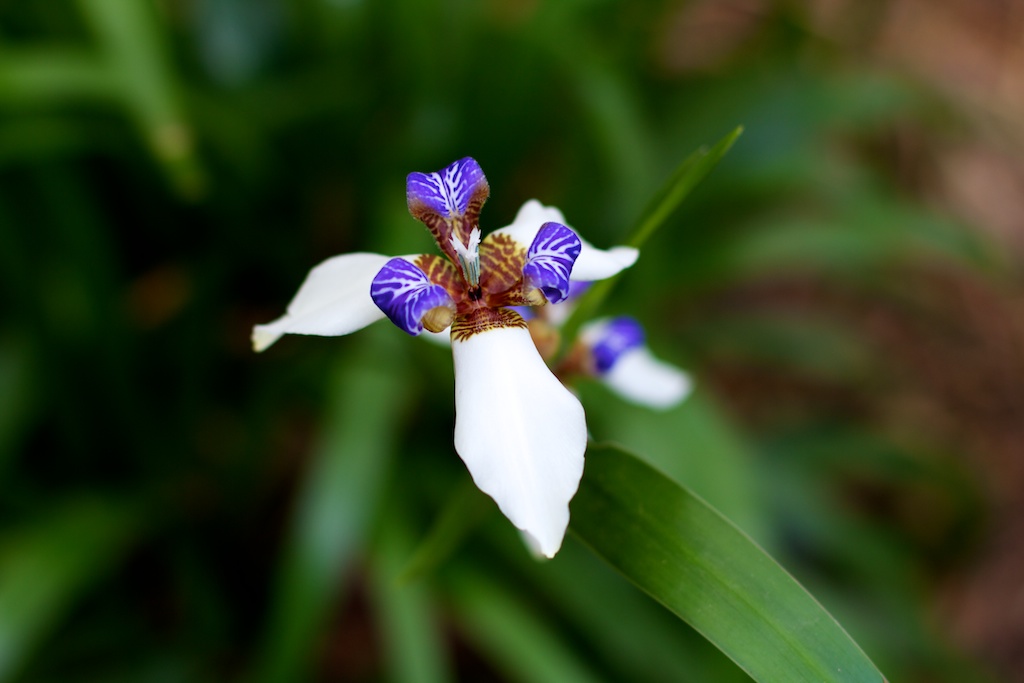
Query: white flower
x=520 y=432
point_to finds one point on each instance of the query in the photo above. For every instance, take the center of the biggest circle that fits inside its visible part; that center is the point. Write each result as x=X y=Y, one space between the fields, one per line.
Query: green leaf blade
x=515 y=638
x=687 y=556
x=686 y=176
x=667 y=199
x=49 y=564
x=336 y=502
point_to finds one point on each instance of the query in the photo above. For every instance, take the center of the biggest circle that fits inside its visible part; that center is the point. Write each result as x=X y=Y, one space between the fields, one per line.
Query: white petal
x=520 y=432
x=332 y=301
x=442 y=338
x=531 y=216
x=597 y=264
x=592 y=263
x=641 y=378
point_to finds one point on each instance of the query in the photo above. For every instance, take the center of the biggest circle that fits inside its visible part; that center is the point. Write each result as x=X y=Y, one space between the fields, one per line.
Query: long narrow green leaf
x=691 y=171
x=133 y=44
x=466 y=509
x=687 y=556
x=634 y=637
x=335 y=502
x=414 y=646
x=519 y=642
x=670 y=441
x=45 y=566
x=686 y=176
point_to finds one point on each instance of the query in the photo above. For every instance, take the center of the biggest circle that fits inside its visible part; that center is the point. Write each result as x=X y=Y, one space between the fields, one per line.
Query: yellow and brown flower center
x=501 y=276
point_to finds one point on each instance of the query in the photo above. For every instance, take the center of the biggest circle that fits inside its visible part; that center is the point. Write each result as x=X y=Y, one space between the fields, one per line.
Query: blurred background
x=845 y=289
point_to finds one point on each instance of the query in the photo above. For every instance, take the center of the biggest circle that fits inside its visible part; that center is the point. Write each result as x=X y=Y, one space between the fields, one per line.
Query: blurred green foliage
x=175 y=508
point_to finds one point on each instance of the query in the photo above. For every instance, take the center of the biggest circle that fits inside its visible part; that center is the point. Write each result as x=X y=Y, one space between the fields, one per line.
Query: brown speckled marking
x=501 y=266
x=442 y=272
x=484 y=319
x=440 y=228
x=471 y=219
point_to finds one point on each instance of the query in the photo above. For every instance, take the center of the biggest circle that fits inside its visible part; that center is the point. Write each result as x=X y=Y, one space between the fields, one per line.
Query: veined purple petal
x=610 y=340
x=549 y=260
x=405 y=294
x=448 y=191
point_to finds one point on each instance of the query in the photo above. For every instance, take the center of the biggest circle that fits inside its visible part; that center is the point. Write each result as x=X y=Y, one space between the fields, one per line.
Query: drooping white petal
x=520 y=432
x=641 y=378
x=442 y=338
x=333 y=300
x=592 y=263
x=598 y=264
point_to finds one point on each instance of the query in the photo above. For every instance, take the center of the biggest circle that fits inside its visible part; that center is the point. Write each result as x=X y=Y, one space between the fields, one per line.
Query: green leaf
x=133 y=44
x=691 y=171
x=336 y=500
x=655 y=647
x=686 y=176
x=45 y=566
x=669 y=441
x=523 y=645
x=410 y=628
x=466 y=509
x=687 y=556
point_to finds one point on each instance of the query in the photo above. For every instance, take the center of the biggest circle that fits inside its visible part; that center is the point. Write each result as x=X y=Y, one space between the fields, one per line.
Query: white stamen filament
x=469 y=256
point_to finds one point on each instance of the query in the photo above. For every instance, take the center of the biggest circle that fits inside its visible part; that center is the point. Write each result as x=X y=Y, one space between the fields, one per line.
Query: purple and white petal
x=520 y=432
x=641 y=378
x=624 y=364
x=448 y=191
x=332 y=301
x=609 y=338
x=407 y=297
x=592 y=263
x=550 y=259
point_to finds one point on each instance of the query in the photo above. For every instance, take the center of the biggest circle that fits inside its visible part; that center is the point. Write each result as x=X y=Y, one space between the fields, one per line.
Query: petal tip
x=262 y=337
x=626 y=256
x=539 y=551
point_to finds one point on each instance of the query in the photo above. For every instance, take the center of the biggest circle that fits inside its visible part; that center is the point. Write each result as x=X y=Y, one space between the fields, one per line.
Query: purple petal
x=549 y=261
x=405 y=294
x=448 y=191
x=612 y=339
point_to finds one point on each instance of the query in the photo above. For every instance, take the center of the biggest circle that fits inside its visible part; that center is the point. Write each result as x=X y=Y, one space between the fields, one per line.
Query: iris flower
x=521 y=434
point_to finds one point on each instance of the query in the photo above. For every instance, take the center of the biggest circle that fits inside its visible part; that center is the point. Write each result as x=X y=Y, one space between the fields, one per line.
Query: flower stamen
x=469 y=257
